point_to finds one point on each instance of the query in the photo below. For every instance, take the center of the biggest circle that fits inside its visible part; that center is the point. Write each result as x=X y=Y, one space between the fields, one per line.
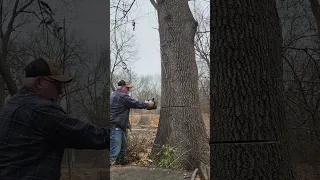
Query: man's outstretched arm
x=133 y=103
x=52 y=123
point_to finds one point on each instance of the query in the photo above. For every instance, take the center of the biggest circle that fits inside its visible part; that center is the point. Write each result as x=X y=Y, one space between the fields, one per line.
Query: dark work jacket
x=120 y=104
x=34 y=134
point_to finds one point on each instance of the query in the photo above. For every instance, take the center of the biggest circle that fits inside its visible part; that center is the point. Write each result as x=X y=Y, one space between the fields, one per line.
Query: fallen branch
x=179 y=157
x=194 y=174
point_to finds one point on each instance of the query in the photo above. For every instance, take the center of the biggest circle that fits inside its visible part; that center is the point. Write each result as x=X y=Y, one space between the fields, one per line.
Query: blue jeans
x=118 y=145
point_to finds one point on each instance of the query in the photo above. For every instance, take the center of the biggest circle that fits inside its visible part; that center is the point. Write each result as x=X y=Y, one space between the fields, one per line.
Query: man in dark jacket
x=120 y=105
x=35 y=131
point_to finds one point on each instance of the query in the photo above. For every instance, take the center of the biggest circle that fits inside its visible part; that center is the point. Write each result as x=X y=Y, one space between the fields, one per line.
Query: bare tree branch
x=15 y=13
x=127 y=11
x=155 y=5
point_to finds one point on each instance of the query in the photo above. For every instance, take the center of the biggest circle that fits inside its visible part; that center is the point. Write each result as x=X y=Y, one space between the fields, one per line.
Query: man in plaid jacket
x=34 y=130
x=120 y=105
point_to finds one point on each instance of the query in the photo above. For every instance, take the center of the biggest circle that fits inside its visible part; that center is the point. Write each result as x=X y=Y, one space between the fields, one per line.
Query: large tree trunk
x=247 y=131
x=181 y=124
x=4 y=68
x=6 y=76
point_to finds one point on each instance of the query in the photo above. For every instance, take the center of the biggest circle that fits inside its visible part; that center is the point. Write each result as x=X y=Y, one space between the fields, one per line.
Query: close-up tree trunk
x=247 y=125
x=181 y=124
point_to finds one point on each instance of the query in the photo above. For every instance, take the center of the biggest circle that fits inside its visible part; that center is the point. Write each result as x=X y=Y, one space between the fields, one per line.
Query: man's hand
x=151 y=104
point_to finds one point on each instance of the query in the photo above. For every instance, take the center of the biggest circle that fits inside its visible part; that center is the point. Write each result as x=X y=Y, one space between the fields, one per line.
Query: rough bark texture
x=180 y=123
x=247 y=92
x=7 y=77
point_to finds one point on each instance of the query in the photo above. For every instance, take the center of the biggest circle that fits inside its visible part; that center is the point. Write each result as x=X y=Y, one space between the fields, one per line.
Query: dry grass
x=139 y=146
x=142 y=137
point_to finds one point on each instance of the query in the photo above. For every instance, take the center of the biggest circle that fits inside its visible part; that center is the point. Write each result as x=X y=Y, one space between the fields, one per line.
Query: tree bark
x=181 y=124
x=247 y=128
x=7 y=78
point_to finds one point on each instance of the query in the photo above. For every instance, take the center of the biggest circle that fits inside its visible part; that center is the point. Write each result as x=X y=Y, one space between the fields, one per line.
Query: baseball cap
x=50 y=68
x=125 y=83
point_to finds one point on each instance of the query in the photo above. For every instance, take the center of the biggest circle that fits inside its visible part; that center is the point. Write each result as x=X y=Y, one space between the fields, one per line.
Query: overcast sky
x=89 y=20
x=147 y=37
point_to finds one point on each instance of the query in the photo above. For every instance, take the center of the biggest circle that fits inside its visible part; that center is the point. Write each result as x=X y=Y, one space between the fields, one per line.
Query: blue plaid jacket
x=34 y=133
x=120 y=104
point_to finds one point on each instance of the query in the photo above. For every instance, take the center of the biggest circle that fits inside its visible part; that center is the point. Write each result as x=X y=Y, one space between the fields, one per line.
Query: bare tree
x=202 y=38
x=14 y=16
x=94 y=99
x=181 y=123
x=147 y=87
x=202 y=48
x=122 y=53
x=301 y=73
x=122 y=42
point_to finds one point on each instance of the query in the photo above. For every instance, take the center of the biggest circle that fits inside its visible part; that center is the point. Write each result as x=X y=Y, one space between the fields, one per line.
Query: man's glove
x=151 y=104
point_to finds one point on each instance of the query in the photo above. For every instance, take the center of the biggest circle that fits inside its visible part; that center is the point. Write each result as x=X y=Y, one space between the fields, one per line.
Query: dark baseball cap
x=50 y=68
x=125 y=83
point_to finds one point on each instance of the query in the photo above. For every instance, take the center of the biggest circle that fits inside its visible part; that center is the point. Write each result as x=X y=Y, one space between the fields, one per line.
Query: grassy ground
x=143 y=137
x=304 y=172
